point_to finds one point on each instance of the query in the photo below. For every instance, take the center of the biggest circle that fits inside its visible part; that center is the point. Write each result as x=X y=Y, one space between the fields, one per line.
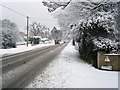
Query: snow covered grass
x=68 y=71
x=22 y=48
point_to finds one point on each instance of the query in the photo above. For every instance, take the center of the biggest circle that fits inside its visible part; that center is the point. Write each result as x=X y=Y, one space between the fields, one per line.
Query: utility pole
x=27 y=29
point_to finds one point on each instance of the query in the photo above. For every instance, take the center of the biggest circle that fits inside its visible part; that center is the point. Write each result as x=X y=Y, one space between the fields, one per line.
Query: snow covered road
x=18 y=70
x=68 y=71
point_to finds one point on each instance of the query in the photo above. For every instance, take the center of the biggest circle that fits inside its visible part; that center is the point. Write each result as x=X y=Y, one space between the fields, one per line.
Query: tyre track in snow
x=12 y=61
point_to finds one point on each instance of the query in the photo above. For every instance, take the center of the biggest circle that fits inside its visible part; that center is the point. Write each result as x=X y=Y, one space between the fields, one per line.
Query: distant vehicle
x=57 y=41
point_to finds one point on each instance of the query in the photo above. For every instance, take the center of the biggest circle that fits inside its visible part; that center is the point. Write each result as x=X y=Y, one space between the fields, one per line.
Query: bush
x=7 y=42
x=88 y=37
x=34 y=40
x=10 y=34
x=105 y=44
x=87 y=53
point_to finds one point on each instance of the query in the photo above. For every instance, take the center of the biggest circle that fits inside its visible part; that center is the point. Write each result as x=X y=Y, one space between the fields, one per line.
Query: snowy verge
x=22 y=48
x=69 y=71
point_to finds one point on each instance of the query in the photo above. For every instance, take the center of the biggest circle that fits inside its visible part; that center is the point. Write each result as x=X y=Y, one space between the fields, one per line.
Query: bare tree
x=36 y=29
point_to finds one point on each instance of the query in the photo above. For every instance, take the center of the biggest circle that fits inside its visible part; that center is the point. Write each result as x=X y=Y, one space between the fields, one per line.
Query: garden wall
x=113 y=61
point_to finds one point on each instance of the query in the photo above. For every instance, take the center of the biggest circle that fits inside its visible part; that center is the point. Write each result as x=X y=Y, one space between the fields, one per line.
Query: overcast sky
x=32 y=8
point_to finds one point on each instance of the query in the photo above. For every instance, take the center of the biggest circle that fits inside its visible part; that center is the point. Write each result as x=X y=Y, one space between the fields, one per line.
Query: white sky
x=32 y=8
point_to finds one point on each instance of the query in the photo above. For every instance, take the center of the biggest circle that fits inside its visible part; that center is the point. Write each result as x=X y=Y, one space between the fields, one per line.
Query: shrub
x=90 y=38
x=8 y=42
x=34 y=40
x=9 y=34
x=105 y=44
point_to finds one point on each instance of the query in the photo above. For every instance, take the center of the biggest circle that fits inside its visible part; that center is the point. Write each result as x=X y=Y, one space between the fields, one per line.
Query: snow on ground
x=68 y=71
x=22 y=48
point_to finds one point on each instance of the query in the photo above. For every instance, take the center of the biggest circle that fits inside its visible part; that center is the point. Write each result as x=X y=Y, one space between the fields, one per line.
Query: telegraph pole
x=27 y=29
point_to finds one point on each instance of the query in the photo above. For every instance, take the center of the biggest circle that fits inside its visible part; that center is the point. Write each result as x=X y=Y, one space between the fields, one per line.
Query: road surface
x=19 y=69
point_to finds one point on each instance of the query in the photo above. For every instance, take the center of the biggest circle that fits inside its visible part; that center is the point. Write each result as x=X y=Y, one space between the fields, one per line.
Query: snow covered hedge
x=105 y=44
x=92 y=37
